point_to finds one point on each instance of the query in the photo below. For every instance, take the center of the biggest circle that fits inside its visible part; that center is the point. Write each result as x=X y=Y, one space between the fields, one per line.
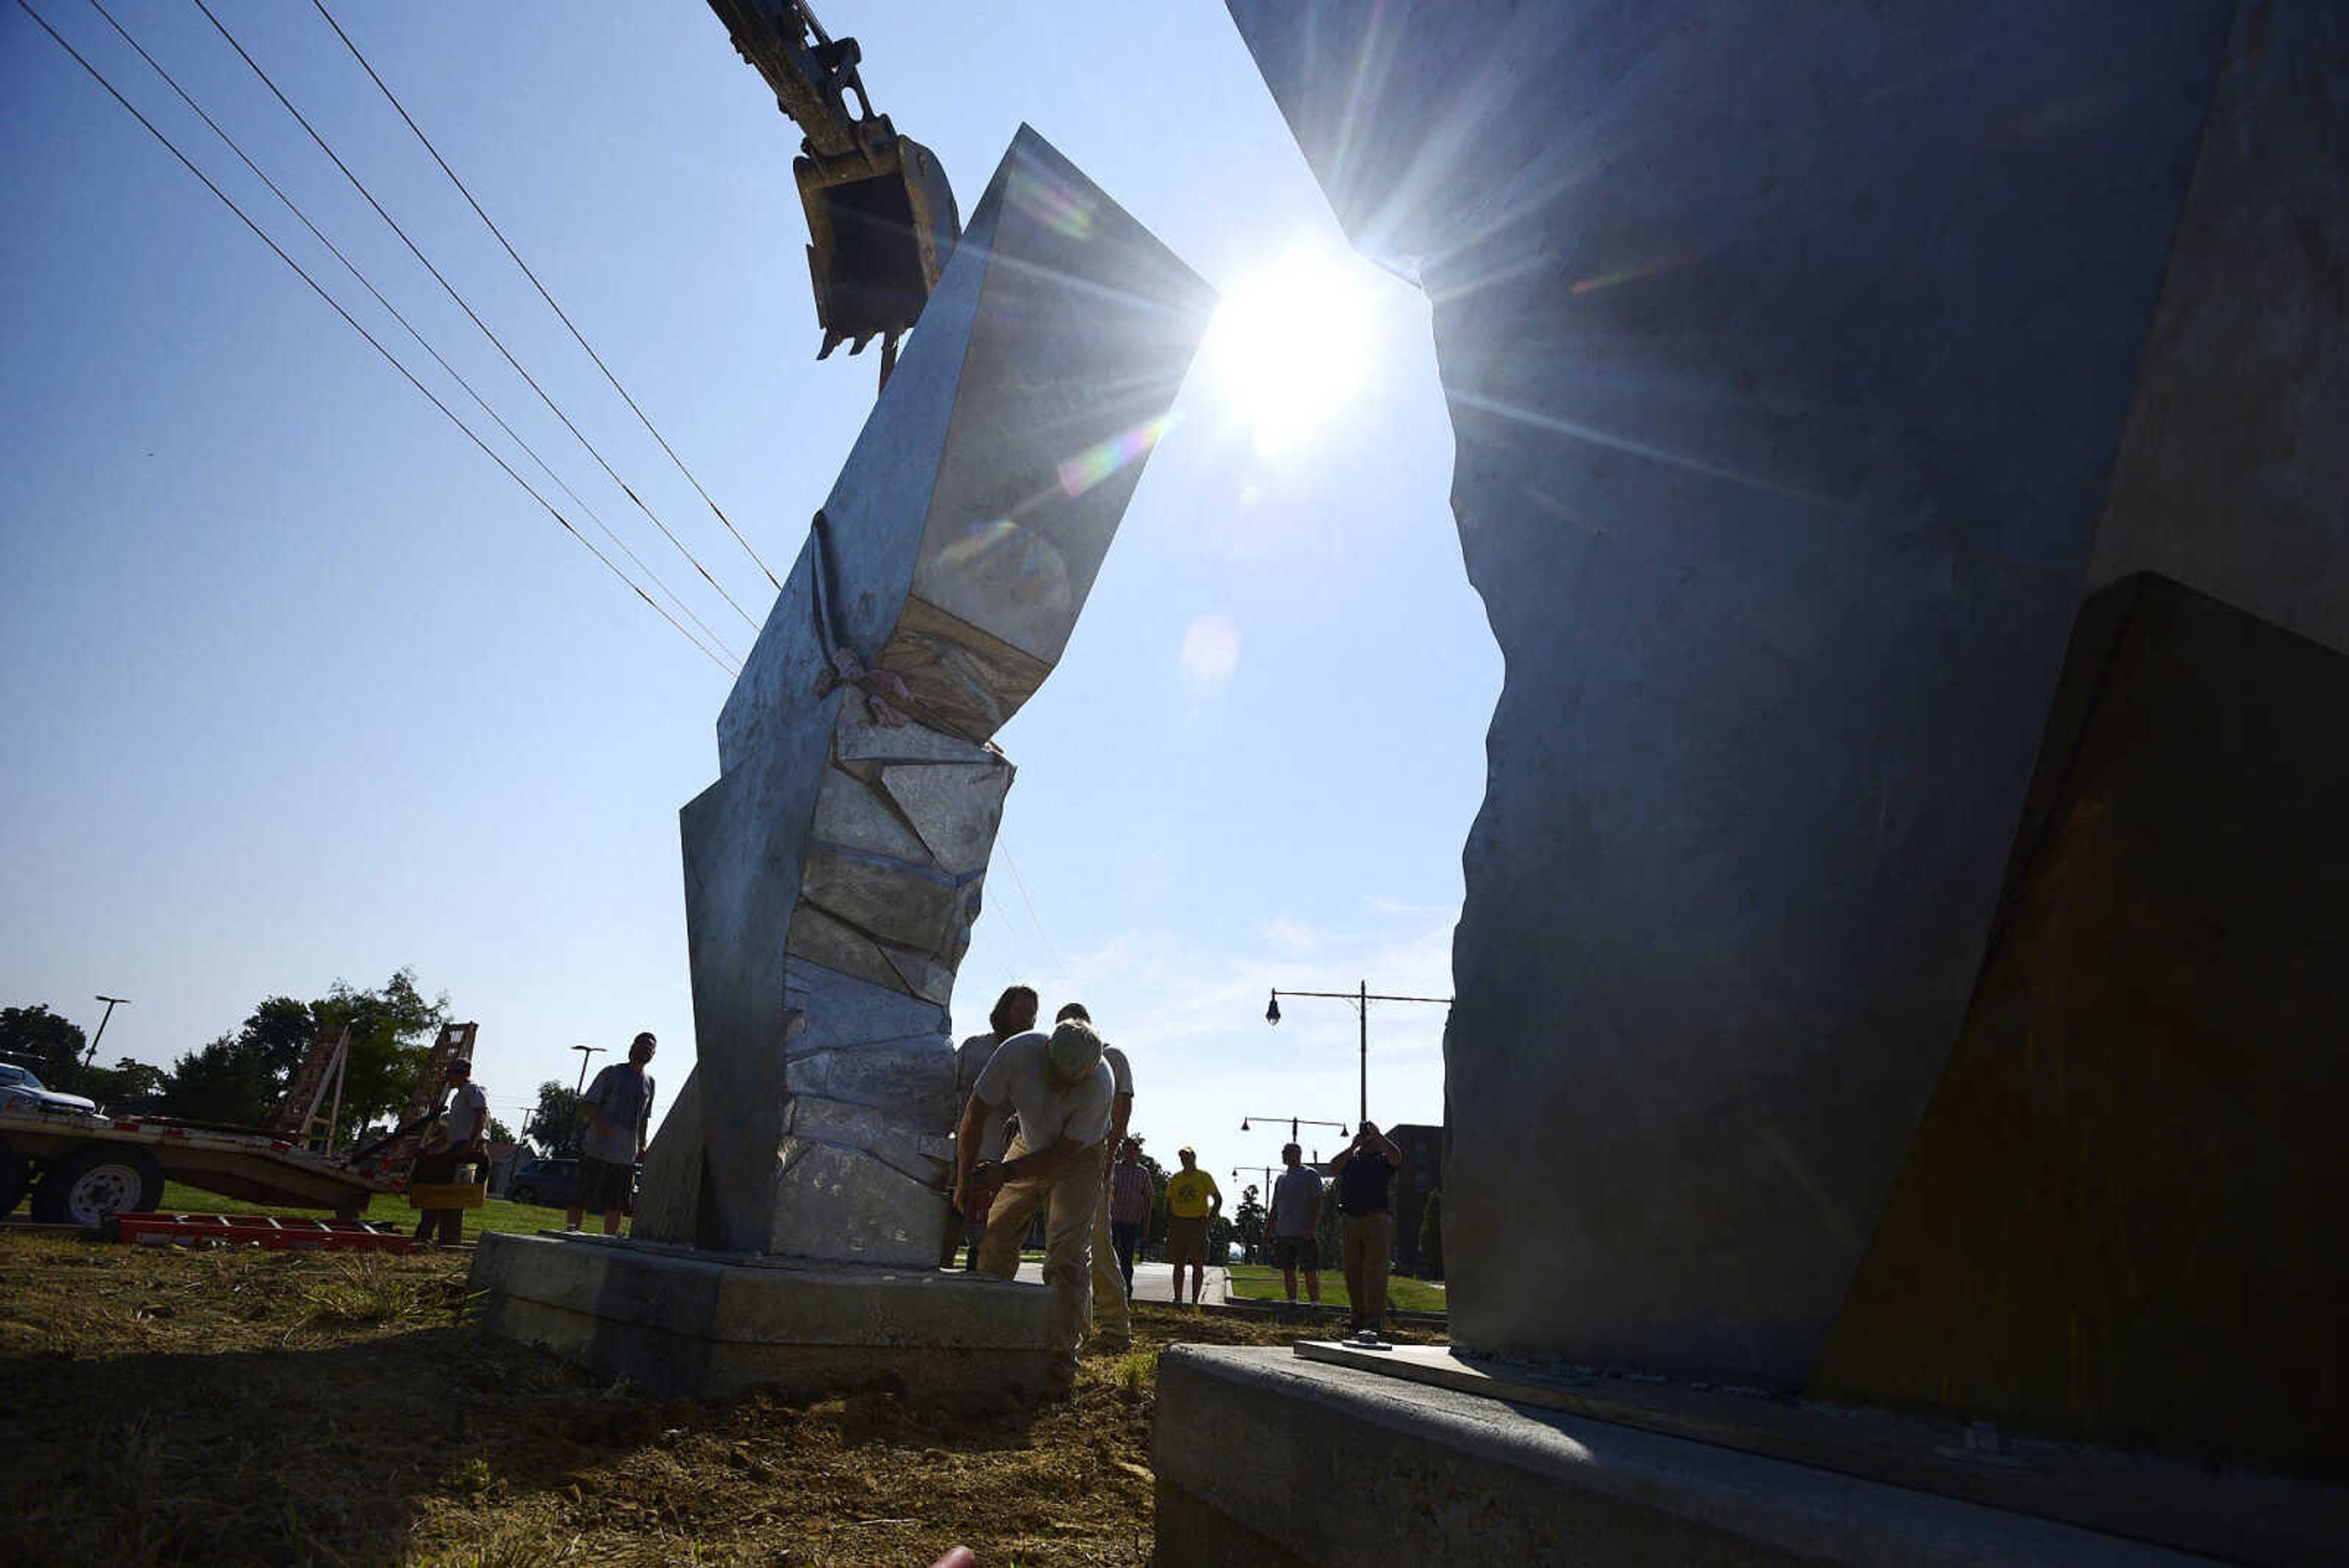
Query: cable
x=449 y=288
x=1058 y=967
x=99 y=76
x=352 y=269
x=647 y=423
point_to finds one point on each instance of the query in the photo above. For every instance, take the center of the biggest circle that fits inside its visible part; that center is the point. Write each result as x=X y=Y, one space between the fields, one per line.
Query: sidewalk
x=1152 y=1282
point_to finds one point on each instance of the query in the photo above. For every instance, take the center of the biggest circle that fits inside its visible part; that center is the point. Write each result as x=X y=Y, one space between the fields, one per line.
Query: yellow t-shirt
x=1187 y=1192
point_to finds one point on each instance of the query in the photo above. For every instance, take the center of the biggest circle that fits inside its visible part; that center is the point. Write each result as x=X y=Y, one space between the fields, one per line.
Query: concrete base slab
x=673 y=1319
x=1344 y=1465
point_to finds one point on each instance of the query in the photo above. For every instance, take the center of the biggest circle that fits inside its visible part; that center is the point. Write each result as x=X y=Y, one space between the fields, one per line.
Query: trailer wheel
x=13 y=1179
x=85 y=1188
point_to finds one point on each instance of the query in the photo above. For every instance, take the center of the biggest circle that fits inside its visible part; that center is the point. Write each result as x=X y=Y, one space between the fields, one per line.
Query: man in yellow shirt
x=1193 y=1202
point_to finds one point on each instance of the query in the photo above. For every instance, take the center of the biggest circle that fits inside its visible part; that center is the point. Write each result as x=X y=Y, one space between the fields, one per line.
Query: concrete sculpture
x=1827 y=379
x=832 y=872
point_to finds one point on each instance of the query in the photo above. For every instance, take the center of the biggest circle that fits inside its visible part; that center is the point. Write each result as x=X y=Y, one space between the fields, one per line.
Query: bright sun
x=1289 y=344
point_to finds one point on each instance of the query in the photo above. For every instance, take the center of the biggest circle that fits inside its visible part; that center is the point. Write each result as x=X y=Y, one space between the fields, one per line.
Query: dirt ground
x=167 y=1405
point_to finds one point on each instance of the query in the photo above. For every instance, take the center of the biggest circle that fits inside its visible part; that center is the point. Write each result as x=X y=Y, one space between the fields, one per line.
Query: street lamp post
x=578 y=1121
x=584 y=1052
x=1360 y=1000
x=111 y=1003
x=1294 y=1123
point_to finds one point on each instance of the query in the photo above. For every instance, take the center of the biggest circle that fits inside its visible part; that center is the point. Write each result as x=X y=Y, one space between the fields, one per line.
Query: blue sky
x=300 y=687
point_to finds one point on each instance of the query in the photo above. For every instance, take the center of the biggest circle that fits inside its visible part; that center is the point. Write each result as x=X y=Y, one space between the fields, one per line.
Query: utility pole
x=111 y=1003
x=1361 y=999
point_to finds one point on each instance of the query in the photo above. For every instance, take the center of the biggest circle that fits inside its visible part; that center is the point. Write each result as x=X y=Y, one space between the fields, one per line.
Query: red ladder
x=266 y=1231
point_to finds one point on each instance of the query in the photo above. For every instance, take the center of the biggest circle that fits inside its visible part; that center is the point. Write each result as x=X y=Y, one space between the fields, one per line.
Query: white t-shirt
x=1121 y=1073
x=1020 y=1077
x=468 y=1114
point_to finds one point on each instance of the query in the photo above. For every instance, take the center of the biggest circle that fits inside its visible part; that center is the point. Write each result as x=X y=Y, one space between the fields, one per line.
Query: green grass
x=497 y=1214
x=1258 y=1283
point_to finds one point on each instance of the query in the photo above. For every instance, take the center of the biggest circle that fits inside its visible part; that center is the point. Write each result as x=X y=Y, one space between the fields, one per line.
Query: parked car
x=20 y=1090
x=547 y=1182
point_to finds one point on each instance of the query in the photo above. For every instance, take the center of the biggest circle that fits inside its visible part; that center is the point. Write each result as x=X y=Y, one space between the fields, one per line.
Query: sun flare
x=1289 y=345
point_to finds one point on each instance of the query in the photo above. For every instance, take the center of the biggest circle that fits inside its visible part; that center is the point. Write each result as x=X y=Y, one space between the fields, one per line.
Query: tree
x=128 y=1086
x=392 y=1031
x=222 y=1082
x=278 y=1034
x=1247 y=1223
x=1430 y=1236
x=1325 y=1235
x=36 y=1038
x=558 y=1123
x=500 y=1132
x=242 y=1077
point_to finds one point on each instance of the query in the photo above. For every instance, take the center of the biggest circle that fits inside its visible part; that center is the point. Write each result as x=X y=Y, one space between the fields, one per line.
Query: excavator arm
x=881 y=215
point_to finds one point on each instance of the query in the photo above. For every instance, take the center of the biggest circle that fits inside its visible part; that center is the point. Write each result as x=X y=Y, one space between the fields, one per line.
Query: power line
x=526 y=272
x=449 y=288
x=335 y=305
x=1058 y=967
x=349 y=266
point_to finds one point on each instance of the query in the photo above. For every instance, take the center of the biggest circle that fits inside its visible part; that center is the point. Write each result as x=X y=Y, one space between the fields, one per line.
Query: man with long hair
x=1014 y=1013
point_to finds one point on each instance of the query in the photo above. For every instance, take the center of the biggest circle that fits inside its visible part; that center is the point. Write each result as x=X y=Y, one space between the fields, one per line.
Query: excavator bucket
x=881 y=224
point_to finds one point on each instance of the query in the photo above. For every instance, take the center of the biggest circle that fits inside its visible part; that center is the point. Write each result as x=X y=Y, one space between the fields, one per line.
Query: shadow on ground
x=168 y=1407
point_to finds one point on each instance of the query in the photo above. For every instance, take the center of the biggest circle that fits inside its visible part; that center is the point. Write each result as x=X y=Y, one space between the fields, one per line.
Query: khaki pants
x=1069 y=1202
x=1110 y=1313
x=1368 y=1242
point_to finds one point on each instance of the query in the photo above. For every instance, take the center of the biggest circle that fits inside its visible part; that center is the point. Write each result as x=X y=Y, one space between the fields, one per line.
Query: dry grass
x=216 y=1407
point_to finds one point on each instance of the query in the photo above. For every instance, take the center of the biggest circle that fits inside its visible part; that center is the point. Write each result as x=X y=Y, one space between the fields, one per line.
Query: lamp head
x=1243 y=1124
x=1272 y=1009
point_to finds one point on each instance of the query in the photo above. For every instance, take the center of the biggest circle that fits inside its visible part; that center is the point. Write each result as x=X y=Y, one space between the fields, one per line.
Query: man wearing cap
x=1193 y=1203
x=1061 y=1089
x=619 y=1106
x=467 y=1125
x=1112 y=1314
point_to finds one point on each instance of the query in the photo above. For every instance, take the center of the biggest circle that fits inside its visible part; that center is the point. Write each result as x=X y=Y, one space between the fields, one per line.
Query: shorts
x=1297 y=1253
x=1186 y=1240
x=602 y=1186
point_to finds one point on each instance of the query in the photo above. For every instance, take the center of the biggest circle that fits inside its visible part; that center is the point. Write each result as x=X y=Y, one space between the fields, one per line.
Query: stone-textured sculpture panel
x=1788 y=347
x=833 y=871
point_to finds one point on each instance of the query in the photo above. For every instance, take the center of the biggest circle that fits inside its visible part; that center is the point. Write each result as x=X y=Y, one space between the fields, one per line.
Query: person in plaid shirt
x=1129 y=1207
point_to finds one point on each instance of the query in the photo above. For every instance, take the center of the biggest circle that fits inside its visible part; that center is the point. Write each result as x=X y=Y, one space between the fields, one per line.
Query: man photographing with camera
x=1365 y=1173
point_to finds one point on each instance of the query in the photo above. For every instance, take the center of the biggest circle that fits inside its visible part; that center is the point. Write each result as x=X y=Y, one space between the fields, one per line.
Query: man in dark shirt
x=1365 y=1173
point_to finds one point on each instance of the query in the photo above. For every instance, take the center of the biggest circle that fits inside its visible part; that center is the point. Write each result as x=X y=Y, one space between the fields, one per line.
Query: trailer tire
x=13 y=1179
x=83 y=1188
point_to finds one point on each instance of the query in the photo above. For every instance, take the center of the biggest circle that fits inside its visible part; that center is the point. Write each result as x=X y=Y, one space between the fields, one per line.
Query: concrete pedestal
x=672 y=1320
x=1269 y=1456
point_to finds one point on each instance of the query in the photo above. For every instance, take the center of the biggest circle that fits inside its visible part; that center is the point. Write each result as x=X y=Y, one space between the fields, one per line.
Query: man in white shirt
x=1061 y=1089
x=1112 y=1314
x=467 y=1124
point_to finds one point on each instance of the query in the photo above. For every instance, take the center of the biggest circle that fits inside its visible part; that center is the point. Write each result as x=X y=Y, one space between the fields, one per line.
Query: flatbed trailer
x=80 y=1167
